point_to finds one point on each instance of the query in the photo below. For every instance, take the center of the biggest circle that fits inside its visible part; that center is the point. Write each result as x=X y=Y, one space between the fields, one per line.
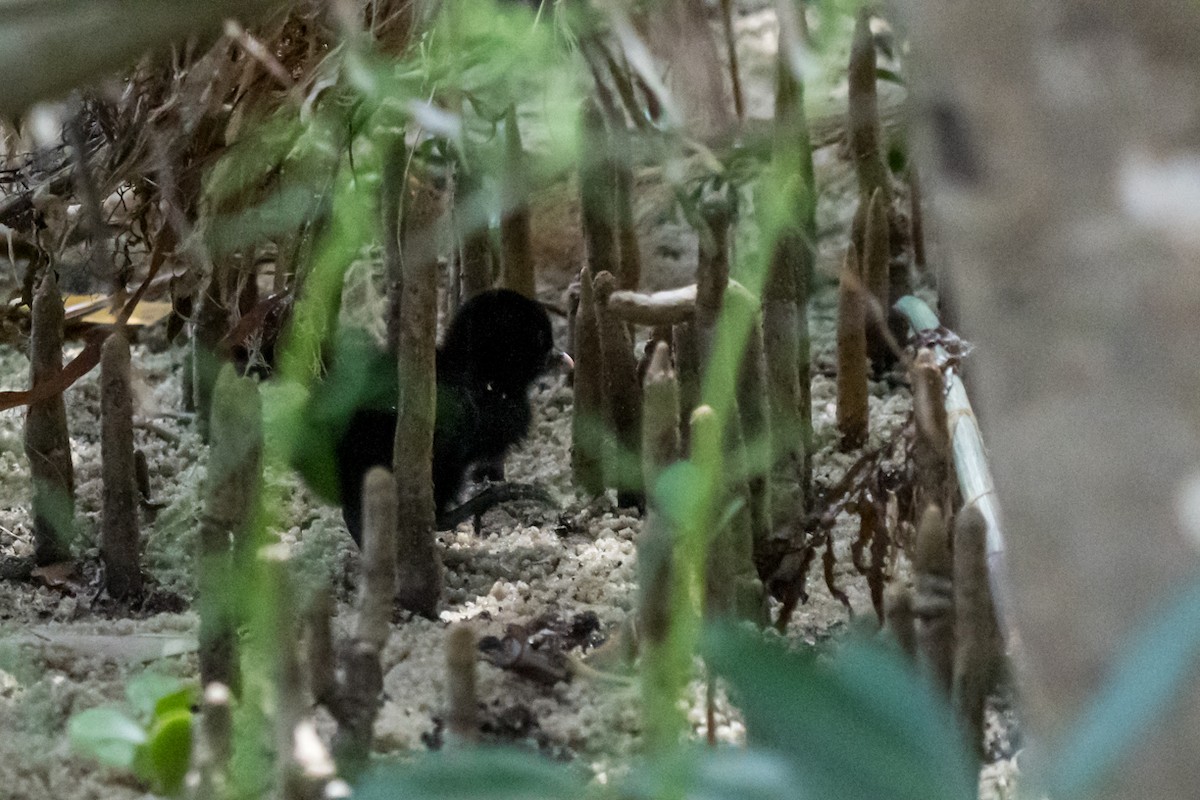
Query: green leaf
x=145 y=691
x=278 y=214
x=477 y=774
x=1149 y=674
x=705 y=774
x=860 y=725
x=284 y=405
x=362 y=376
x=182 y=699
x=164 y=759
x=676 y=493
x=106 y=734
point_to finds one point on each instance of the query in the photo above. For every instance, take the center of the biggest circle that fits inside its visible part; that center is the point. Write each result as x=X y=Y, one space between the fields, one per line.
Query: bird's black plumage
x=496 y=345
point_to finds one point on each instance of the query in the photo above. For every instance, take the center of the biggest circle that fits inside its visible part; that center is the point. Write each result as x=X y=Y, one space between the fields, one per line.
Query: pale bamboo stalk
x=358 y=698
x=319 y=651
x=754 y=429
x=735 y=79
x=419 y=569
x=587 y=413
x=209 y=771
x=119 y=540
x=688 y=364
x=931 y=449
x=475 y=259
x=212 y=322
x=462 y=698
x=300 y=769
x=226 y=537
x=744 y=597
x=712 y=272
x=391 y=199
x=970 y=459
x=47 y=440
x=598 y=192
x=933 y=600
x=515 y=237
x=629 y=274
x=863 y=114
x=660 y=448
x=378 y=558
x=979 y=652
x=852 y=406
x=875 y=277
x=898 y=616
x=622 y=398
x=789 y=254
x=916 y=217
x=669 y=307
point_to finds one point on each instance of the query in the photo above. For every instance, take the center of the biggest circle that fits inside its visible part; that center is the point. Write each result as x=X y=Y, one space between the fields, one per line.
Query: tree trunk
x=419 y=569
x=119 y=540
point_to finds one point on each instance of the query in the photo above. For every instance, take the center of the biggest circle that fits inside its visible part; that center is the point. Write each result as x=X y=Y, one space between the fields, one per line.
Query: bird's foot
x=489 y=498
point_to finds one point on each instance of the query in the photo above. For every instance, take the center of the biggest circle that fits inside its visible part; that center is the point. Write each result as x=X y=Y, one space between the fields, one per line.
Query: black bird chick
x=498 y=343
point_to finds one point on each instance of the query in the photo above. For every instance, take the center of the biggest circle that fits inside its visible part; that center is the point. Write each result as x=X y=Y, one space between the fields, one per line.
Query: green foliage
x=682 y=495
x=164 y=758
x=152 y=739
x=108 y=735
x=492 y=54
x=860 y=724
x=152 y=695
x=252 y=161
x=316 y=426
x=703 y=773
x=482 y=774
